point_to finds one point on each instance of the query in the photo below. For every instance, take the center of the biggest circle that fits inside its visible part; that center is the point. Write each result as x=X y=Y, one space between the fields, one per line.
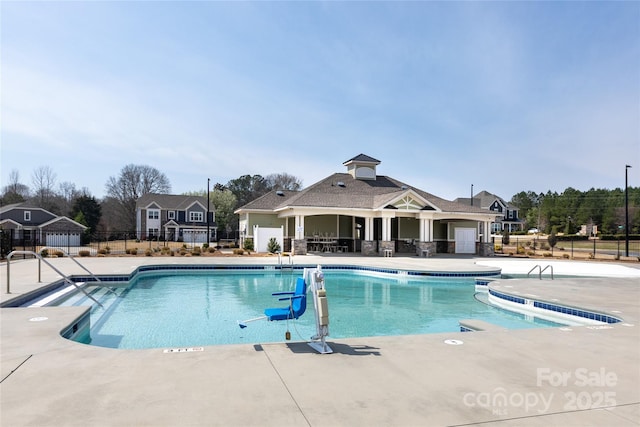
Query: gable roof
x=484 y=199
x=171 y=201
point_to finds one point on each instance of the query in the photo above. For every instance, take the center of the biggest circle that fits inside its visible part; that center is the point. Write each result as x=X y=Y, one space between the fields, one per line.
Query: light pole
x=208 y=235
x=626 y=210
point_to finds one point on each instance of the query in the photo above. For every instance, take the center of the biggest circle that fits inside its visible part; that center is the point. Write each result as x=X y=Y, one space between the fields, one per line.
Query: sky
x=504 y=96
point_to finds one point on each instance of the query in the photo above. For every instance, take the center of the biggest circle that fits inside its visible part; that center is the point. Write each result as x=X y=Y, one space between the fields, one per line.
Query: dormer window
x=27 y=215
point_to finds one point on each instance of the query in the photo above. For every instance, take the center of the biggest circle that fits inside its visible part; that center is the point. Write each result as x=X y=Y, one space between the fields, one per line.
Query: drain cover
x=38 y=319
x=453 y=342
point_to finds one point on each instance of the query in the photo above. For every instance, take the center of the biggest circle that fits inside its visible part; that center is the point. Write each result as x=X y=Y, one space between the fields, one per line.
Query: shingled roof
x=171 y=201
x=341 y=190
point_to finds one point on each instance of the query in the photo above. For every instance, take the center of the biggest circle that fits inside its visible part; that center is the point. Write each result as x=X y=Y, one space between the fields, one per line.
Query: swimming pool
x=186 y=309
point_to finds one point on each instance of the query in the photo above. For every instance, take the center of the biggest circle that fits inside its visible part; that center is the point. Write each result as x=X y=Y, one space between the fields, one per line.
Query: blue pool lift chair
x=297 y=303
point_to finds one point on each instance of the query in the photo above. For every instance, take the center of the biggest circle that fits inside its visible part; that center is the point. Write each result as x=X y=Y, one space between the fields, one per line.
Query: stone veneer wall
x=485 y=249
x=386 y=244
x=430 y=246
x=368 y=247
x=299 y=246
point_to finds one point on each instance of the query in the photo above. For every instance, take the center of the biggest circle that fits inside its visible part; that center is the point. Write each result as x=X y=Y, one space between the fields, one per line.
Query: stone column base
x=368 y=247
x=299 y=246
x=386 y=245
x=486 y=249
x=425 y=246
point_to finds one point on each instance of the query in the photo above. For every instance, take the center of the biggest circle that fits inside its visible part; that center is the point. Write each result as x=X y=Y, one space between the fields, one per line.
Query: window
x=153 y=232
x=153 y=214
x=195 y=216
x=27 y=215
x=172 y=214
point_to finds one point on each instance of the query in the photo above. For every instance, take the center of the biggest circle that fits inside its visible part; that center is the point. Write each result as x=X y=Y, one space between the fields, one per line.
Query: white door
x=465 y=240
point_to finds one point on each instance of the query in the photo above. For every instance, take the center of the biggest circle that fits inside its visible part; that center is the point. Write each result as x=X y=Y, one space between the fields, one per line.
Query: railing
x=72 y=259
x=288 y=254
x=541 y=270
x=41 y=259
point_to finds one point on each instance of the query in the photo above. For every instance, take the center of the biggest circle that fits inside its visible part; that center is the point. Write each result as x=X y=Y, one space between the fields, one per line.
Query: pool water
x=199 y=309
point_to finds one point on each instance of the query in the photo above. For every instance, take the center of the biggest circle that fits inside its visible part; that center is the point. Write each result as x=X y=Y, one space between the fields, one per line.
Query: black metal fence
x=574 y=247
x=98 y=243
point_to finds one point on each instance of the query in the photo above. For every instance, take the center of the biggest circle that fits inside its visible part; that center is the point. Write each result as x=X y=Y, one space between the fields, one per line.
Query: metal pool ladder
x=66 y=278
x=541 y=270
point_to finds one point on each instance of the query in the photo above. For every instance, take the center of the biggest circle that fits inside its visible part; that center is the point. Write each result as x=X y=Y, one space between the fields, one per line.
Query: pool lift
x=313 y=281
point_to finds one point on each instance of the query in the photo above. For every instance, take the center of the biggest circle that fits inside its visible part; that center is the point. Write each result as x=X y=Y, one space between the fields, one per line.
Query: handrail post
x=8 y=272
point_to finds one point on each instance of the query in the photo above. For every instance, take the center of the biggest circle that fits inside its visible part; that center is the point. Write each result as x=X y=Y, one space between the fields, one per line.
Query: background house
x=29 y=226
x=175 y=218
x=506 y=214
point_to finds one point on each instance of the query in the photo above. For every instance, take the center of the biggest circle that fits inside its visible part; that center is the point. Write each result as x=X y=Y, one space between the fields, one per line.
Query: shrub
x=205 y=245
x=58 y=253
x=147 y=252
x=238 y=251
x=273 y=246
x=531 y=253
x=84 y=253
x=132 y=251
x=591 y=256
x=248 y=244
x=102 y=252
x=546 y=254
x=498 y=248
x=108 y=249
x=44 y=253
x=211 y=249
x=520 y=250
x=566 y=256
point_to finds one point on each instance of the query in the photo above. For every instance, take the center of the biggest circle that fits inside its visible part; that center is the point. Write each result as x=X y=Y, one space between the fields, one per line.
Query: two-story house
x=33 y=226
x=176 y=218
x=506 y=214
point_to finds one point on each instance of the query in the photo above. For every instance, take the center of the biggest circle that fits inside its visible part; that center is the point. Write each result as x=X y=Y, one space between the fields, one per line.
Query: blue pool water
x=196 y=309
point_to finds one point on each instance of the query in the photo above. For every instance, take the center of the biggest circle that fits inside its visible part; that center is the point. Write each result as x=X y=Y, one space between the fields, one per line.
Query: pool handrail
x=40 y=258
x=541 y=270
x=72 y=259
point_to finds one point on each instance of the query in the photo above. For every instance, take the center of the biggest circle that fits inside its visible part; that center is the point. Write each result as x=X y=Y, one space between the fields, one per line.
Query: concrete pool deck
x=537 y=377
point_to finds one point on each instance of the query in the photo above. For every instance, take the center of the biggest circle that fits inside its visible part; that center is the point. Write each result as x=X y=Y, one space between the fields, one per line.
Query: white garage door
x=465 y=240
x=194 y=236
x=63 y=239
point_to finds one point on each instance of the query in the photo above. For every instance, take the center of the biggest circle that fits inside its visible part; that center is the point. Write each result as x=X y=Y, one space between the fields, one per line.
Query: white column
x=386 y=229
x=430 y=230
x=299 y=227
x=368 y=228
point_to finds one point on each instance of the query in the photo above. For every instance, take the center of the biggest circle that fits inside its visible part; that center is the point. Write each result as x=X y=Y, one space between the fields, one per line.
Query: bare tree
x=67 y=194
x=44 y=179
x=283 y=181
x=133 y=182
x=14 y=191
